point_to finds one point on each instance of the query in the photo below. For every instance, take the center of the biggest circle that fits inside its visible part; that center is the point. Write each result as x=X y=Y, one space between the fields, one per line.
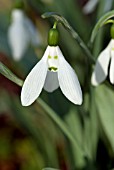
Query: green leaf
x=102 y=21
x=7 y=73
x=74 y=123
x=91 y=127
x=104 y=97
x=68 y=27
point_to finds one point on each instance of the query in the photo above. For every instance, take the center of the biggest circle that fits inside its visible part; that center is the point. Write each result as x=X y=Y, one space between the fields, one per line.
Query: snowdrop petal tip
x=94 y=80
x=101 y=68
x=111 y=74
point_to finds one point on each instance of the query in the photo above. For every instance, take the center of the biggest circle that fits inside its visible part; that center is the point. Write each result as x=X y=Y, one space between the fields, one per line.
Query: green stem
x=55 y=25
x=99 y=39
x=8 y=74
x=82 y=44
x=74 y=34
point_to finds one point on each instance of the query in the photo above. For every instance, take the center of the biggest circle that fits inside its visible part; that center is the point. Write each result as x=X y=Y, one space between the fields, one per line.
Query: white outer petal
x=68 y=80
x=51 y=82
x=101 y=68
x=112 y=67
x=90 y=6
x=19 y=38
x=34 y=82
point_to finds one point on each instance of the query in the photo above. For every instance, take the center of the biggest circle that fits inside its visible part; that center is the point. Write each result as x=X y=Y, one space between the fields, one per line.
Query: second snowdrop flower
x=21 y=33
x=91 y=5
x=105 y=58
x=51 y=72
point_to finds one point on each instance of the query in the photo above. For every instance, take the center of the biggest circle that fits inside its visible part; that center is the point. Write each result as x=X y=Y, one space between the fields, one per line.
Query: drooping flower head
x=105 y=60
x=51 y=72
x=21 y=33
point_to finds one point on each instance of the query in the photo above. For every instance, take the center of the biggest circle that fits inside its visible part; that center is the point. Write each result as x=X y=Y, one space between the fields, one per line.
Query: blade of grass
x=8 y=74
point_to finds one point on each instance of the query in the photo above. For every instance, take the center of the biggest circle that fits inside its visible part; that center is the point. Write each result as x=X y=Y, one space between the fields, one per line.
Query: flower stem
x=74 y=34
x=55 y=25
x=82 y=44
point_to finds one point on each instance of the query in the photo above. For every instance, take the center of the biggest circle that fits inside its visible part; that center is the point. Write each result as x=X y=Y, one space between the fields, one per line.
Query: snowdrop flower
x=51 y=72
x=21 y=33
x=91 y=5
x=101 y=68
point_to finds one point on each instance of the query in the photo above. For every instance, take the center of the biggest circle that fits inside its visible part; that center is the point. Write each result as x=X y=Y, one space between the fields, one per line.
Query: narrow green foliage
x=101 y=22
x=7 y=73
x=104 y=97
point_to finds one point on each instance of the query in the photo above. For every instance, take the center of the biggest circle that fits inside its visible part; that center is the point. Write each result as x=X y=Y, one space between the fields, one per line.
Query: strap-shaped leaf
x=104 y=98
x=7 y=73
x=102 y=21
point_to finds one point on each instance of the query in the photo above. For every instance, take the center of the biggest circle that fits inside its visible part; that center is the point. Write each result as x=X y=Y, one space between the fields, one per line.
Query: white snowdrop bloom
x=51 y=72
x=90 y=6
x=21 y=33
x=101 y=68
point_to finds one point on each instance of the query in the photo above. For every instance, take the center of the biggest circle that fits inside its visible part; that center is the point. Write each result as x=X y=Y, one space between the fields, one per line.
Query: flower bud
x=53 y=37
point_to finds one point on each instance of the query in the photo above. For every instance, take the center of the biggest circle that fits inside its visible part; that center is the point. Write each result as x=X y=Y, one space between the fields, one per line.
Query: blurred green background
x=29 y=138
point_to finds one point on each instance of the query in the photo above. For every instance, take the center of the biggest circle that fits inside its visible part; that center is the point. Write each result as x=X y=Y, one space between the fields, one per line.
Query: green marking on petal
x=113 y=48
x=52 y=69
x=56 y=57
x=49 y=57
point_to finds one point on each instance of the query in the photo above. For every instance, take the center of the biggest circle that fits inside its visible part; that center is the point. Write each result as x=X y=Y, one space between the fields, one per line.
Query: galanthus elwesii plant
x=21 y=33
x=65 y=133
x=105 y=58
x=51 y=72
